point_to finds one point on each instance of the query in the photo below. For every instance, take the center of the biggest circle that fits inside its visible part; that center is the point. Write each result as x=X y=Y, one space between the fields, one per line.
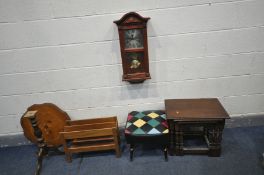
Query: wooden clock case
x=132 y=29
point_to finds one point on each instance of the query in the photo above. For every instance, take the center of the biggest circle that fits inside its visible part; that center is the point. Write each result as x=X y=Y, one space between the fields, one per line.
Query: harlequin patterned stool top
x=146 y=123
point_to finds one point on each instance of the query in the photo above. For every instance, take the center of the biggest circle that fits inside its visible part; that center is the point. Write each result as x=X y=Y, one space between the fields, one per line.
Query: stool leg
x=166 y=153
x=131 y=152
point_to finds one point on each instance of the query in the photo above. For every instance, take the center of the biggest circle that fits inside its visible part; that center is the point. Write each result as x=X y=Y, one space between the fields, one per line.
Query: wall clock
x=132 y=29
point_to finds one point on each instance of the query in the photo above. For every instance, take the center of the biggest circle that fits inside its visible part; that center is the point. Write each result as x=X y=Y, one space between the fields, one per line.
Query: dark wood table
x=195 y=117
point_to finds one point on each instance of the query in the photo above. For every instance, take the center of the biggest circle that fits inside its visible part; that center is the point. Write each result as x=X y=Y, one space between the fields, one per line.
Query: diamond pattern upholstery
x=146 y=123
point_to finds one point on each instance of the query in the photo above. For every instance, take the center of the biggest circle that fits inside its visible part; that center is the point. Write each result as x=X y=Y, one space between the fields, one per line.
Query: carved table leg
x=171 y=137
x=179 y=140
x=41 y=153
x=214 y=135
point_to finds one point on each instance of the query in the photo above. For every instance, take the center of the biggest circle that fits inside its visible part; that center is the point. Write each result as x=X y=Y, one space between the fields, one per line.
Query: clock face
x=133 y=38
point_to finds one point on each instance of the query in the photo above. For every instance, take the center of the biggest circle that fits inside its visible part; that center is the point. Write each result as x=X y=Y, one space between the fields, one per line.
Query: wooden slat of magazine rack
x=92 y=121
x=91 y=135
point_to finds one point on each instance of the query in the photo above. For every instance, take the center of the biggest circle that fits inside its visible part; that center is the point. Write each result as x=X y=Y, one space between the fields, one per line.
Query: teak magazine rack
x=91 y=135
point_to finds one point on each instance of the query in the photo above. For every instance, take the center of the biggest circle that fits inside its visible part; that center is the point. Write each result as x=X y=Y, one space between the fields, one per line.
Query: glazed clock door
x=134 y=50
x=135 y=62
x=134 y=38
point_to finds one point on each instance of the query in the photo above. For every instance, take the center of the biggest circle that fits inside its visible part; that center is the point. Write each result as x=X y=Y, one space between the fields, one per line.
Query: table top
x=50 y=120
x=195 y=109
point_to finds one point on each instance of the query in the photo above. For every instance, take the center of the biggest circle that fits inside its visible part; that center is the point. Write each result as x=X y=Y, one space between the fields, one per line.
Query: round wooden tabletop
x=51 y=121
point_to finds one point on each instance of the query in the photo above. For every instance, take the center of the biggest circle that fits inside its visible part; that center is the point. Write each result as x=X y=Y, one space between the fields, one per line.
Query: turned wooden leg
x=43 y=149
x=178 y=140
x=166 y=153
x=171 y=137
x=131 y=152
x=215 y=138
x=41 y=153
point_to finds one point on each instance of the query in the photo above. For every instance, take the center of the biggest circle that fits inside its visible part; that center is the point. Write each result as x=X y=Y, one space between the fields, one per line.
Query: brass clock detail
x=132 y=29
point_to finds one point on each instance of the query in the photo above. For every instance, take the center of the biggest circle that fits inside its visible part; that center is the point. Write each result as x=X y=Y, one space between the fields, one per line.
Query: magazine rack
x=91 y=135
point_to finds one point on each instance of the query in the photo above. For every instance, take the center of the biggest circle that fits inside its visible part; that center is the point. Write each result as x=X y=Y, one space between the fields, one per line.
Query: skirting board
x=245 y=121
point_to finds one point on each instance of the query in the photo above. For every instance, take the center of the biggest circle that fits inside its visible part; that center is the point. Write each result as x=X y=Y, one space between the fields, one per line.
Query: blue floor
x=242 y=150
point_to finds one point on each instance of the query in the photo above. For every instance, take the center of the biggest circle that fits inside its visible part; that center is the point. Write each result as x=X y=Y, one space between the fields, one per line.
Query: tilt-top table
x=206 y=114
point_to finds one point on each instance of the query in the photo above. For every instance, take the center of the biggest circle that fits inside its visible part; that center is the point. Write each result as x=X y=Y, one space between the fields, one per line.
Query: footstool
x=147 y=127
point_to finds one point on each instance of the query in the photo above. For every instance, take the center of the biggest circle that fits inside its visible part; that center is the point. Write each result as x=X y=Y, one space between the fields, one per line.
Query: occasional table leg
x=179 y=140
x=41 y=153
x=43 y=150
x=171 y=137
x=215 y=137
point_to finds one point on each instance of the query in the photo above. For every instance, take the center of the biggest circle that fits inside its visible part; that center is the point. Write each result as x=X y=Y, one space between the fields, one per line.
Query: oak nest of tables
x=198 y=118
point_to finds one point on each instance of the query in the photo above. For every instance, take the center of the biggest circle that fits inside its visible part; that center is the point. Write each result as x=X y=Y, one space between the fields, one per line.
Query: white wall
x=67 y=52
